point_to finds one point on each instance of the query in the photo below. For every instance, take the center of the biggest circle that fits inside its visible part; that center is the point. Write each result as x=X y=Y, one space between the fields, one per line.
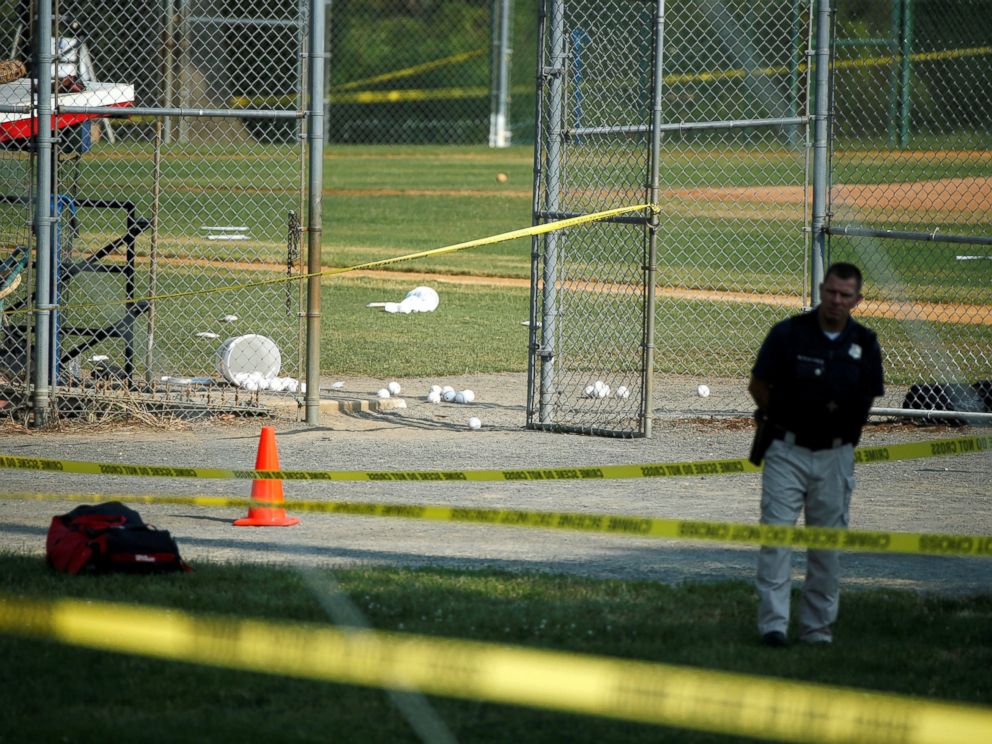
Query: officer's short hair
x=844 y=270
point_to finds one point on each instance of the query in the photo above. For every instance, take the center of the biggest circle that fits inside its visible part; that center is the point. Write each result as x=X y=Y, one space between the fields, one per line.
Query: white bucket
x=248 y=354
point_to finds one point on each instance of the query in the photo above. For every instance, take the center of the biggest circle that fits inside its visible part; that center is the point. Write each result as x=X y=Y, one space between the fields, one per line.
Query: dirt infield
x=970 y=195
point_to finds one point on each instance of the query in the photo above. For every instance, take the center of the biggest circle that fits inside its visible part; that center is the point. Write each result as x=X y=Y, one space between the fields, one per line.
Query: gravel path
x=946 y=494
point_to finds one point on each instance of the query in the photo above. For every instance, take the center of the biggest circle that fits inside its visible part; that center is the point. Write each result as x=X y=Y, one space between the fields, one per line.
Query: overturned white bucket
x=247 y=355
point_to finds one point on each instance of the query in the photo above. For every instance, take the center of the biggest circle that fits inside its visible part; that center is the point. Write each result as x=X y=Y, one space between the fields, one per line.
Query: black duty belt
x=810 y=442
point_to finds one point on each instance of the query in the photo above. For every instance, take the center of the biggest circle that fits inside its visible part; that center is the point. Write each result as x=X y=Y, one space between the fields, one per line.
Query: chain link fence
x=912 y=185
x=908 y=193
x=730 y=246
x=166 y=219
x=589 y=309
x=201 y=186
x=405 y=72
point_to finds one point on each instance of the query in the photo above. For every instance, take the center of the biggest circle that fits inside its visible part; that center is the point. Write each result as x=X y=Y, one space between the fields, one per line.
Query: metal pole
x=494 y=54
x=647 y=397
x=907 y=51
x=534 y=335
x=821 y=145
x=43 y=222
x=328 y=7
x=315 y=141
x=168 y=63
x=794 y=46
x=556 y=120
x=153 y=252
x=970 y=416
x=499 y=129
x=184 y=81
x=895 y=25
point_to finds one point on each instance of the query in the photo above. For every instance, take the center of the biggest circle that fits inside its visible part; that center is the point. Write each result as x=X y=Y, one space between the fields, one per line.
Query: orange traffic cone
x=267 y=491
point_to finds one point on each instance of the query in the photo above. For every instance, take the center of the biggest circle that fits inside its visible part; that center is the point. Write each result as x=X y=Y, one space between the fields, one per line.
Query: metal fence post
x=315 y=141
x=549 y=304
x=43 y=217
x=647 y=402
x=906 y=101
x=499 y=124
x=821 y=149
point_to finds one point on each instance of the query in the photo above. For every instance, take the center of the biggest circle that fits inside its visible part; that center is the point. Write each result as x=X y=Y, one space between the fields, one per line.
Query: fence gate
x=699 y=108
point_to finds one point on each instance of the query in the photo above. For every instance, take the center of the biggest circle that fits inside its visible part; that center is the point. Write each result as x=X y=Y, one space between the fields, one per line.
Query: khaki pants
x=820 y=483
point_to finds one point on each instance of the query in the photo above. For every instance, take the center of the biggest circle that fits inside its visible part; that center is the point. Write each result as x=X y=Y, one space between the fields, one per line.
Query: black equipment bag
x=108 y=538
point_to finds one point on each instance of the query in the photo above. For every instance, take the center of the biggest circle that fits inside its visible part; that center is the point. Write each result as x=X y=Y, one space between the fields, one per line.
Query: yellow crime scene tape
x=842 y=64
x=862 y=455
x=290 y=99
x=523 y=232
x=821 y=538
x=338 y=94
x=646 y=692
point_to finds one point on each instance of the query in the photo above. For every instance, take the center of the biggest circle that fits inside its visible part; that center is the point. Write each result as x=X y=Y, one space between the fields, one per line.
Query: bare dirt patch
x=961 y=195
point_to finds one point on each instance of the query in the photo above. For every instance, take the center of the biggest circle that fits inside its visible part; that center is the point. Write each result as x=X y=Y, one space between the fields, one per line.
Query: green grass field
x=891 y=641
x=383 y=202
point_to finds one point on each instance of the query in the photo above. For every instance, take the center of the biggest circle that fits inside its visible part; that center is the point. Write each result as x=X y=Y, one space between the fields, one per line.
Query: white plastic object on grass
x=417 y=300
x=252 y=354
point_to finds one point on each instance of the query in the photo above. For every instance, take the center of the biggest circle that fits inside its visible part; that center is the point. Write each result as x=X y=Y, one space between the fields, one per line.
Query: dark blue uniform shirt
x=820 y=389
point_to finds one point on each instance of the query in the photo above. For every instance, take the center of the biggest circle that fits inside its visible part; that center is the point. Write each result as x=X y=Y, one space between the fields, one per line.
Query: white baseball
x=434 y=396
x=393 y=387
x=383 y=393
x=590 y=391
x=622 y=392
x=703 y=390
x=447 y=389
x=474 y=423
x=468 y=395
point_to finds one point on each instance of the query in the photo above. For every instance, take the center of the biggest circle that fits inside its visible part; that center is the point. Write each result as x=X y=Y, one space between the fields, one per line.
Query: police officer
x=815 y=378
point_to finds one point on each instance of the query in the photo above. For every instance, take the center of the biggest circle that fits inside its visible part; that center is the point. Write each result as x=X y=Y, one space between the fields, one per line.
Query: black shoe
x=774 y=639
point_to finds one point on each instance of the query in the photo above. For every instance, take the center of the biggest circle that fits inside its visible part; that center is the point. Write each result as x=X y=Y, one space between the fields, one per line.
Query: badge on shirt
x=854 y=351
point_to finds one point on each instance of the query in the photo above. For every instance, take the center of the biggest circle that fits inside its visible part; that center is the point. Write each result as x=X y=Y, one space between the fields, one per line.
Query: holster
x=763 y=436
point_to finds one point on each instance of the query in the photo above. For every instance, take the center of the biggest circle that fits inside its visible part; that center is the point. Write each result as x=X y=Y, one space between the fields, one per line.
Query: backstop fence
x=182 y=182
x=155 y=215
x=770 y=138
